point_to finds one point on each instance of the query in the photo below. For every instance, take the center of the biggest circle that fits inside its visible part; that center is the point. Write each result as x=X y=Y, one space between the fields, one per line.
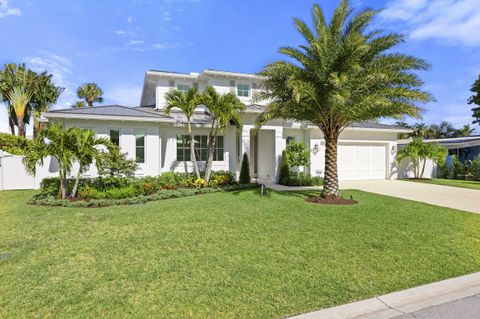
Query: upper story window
x=243 y=90
x=183 y=88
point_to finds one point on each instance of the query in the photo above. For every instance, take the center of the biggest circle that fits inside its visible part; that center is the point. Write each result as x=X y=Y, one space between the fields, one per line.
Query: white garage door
x=361 y=161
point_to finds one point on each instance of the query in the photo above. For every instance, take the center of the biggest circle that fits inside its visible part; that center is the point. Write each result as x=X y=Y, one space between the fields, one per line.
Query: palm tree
x=224 y=110
x=91 y=93
x=57 y=142
x=19 y=99
x=187 y=102
x=79 y=104
x=343 y=74
x=86 y=151
x=418 y=151
x=466 y=130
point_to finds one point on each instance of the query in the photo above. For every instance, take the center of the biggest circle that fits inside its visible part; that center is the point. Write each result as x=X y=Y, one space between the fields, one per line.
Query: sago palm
x=224 y=109
x=91 y=93
x=342 y=74
x=187 y=102
x=19 y=98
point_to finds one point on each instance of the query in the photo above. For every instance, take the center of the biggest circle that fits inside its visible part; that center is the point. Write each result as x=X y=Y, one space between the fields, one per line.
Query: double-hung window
x=183 y=88
x=200 y=146
x=243 y=90
x=140 y=147
x=115 y=137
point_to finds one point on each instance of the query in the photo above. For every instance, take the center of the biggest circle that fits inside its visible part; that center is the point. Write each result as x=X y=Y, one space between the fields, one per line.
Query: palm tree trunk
x=75 y=186
x=21 y=126
x=63 y=187
x=423 y=167
x=211 y=148
x=330 y=185
x=11 y=124
x=192 y=151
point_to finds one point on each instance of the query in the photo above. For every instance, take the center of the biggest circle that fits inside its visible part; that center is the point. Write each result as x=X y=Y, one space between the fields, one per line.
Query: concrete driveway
x=453 y=197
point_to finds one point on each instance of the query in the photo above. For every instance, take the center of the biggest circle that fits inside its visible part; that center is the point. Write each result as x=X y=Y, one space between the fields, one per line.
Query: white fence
x=405 y=169
x=14 y=176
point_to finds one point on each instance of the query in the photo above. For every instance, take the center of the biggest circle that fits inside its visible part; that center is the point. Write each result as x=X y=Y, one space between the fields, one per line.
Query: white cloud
x=129 y=19
x=449 y=21
x=134 y=43
x=60 y=68
x=6 y=10
x=128 y=95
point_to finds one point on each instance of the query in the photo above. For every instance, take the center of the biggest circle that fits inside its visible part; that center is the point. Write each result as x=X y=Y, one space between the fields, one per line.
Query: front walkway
x=447 y=196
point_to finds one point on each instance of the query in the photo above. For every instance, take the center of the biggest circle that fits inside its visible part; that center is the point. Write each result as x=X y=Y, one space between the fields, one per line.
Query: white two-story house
x=157 y=141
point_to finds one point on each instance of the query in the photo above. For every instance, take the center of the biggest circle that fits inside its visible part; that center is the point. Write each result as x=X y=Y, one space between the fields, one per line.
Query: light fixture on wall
x=315 y=149
x=394 y=149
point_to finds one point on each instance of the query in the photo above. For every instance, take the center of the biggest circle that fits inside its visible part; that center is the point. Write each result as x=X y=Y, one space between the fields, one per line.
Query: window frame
x=119 y=134
x=247 y=89
x=218 y=152
x=188 y=87
x=144 y=132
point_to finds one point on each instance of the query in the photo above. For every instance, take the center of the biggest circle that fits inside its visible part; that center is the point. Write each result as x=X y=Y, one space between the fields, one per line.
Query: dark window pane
x=203 y=154
x=140 y=155
x=115 y=137
x=220 y=141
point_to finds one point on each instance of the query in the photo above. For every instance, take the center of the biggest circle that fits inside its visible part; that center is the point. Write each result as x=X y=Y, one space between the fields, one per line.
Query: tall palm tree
x=91 y=93
x=57 y=142
x=86 y=150
x=187 y=102
x=19 y=98
x=224 y=109
x=466 y=130
x=342 y=74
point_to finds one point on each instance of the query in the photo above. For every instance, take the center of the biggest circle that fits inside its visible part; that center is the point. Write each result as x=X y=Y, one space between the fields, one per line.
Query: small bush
x=245 y=170
x=284 y=169
x=302 y=179
x=221 y=178
x=199 y=183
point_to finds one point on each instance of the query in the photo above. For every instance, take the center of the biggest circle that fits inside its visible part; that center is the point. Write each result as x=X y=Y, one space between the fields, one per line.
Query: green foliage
x=475 y=99
x=221 y=178
x=302 y=179
x=245 y=170
x=418 y=152
x=284 y=173
x=91 y=93
x=297 y=154
x=470 y=170
x=199 y=183
x=344 y=72
x=16 y=145
x=115 y=164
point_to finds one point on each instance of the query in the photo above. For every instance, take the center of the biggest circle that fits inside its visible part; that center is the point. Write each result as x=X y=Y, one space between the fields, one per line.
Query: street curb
x=402 y=302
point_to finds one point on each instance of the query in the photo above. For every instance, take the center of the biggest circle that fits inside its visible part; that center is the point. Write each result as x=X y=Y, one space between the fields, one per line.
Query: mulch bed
x=331 y=200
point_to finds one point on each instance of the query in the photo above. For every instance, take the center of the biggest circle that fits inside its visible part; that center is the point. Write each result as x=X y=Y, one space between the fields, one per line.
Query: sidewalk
x=451 y=298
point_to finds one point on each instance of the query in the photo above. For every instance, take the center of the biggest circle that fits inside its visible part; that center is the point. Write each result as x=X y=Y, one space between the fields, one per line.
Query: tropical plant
x=187 y=102
x=475 y=99
x=57 y=142
x=297 y=154
x=19 y=99
x=419 y=152
x=443 y=130
x=284 y=173
x=91 y=93
x=224 y=110
x=113 y=163
x=86 y=150
x=79 y=105
x=245 y=170
x=343 y=74
x=40 y=85
x=466 y=130
x=12 y=144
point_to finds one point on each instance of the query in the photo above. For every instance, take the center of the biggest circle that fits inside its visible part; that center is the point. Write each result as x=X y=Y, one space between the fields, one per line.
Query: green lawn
x=449 y=182
x=223 y=255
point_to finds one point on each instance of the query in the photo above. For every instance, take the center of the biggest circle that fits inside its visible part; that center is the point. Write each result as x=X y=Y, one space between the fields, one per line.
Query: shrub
x=221 y=178
x=13 y=144
x=284 y=169
x=115 y=164
x=168 y=180
x=245 y=170
x=199 y=183
x=302 y=179
x=297 y=154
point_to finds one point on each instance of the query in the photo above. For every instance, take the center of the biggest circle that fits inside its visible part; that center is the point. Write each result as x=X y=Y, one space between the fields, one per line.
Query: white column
x=245 y=148
x=280 y=145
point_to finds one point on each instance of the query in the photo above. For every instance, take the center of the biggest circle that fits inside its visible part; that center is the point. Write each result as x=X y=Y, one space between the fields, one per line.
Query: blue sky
x=113 y=43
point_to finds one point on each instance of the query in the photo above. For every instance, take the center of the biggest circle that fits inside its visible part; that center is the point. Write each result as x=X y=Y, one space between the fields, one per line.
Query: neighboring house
x=465 y=148
x=158 y=141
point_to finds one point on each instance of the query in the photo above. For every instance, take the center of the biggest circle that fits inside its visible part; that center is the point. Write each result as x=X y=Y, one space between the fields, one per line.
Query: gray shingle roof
x=199 y=117
x=109 y=110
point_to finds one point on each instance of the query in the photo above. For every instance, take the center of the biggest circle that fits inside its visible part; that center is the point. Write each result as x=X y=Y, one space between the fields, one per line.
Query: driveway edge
x=402 y=302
